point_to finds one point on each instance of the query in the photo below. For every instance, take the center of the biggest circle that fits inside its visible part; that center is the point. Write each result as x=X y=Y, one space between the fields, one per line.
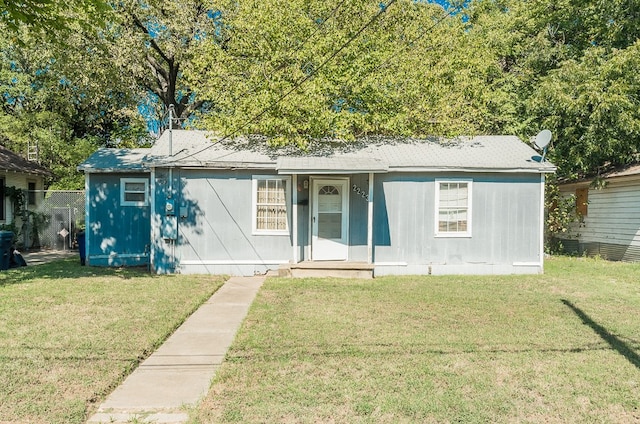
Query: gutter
x=546 y=170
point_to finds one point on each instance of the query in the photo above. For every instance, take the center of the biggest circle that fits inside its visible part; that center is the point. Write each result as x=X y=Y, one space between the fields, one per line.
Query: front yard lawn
x=558 y=347
x=70 y=334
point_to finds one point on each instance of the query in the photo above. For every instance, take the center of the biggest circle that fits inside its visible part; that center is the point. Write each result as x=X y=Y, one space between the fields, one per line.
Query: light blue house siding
x=214 y=233
x=359 y=187
x=506 y=219
x=214 y=225
x=116 y=234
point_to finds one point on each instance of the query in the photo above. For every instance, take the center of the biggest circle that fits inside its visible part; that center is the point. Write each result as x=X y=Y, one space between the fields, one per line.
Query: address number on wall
x=361 y=192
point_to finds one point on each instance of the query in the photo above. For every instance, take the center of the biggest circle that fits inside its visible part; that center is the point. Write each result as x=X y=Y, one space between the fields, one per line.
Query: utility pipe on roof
x=171 y=112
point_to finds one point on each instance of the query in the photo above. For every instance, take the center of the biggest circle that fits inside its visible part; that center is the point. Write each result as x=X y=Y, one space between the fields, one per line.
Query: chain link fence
x=52 y=219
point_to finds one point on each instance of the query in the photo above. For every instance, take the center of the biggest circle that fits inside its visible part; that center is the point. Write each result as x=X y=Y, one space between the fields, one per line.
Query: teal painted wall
x=116 y=235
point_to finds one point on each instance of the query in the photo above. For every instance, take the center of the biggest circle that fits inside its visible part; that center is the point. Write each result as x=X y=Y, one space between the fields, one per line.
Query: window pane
x=262 y=190
x=282 y=218
x=330 y=225
x=2 y=202
x=329 y=199
x=453 y=207
x=134 y=191
x=139 y=187
x=134 y=197
x=271 y=207
x=31 y=195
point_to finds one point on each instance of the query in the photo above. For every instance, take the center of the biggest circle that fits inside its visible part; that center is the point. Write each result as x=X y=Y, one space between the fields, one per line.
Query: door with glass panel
x=330 y=219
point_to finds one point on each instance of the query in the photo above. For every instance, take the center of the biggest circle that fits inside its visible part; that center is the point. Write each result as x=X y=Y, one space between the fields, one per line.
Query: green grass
x=70 y=334
x=558 y=347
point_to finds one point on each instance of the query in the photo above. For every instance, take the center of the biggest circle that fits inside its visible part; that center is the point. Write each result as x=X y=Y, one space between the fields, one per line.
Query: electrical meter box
x=170 y=207
x=170 y=228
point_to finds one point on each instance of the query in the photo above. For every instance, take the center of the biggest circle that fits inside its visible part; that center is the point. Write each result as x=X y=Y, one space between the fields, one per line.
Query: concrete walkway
x=179 y=373
x=37 y=257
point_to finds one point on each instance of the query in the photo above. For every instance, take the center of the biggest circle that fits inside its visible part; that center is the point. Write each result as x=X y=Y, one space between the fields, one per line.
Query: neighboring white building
x=609 y=216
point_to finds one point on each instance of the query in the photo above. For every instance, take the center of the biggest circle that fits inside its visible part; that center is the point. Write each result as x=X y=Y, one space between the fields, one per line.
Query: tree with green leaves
x=568 y=66
x=300 y=69
x=592 y=106
x=47 y=103
x=149 y=43
x=48 y=16
x=310 y=69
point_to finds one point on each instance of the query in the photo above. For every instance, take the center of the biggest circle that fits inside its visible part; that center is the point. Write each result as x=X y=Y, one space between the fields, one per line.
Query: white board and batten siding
x=611 y=227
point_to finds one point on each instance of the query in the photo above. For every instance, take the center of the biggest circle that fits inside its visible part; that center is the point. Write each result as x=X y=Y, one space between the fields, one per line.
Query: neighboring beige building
x=18 y=172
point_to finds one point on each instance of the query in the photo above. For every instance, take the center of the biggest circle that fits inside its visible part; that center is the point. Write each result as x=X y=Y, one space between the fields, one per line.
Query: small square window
x=134 y=192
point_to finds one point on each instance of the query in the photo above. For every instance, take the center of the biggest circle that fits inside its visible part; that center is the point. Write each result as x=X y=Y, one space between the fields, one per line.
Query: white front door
x=330 y=220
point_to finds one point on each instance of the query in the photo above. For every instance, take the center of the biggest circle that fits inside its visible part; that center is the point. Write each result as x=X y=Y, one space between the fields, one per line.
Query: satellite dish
x=542 y=139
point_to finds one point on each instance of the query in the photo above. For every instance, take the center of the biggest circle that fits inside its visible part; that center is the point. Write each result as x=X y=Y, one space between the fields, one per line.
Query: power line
x=299 y=47
x=413 y=41
x=383 y=9
x=294 y=51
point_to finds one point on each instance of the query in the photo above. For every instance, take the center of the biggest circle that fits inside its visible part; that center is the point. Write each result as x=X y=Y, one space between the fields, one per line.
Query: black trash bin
x=6 y=240
x=82 y=249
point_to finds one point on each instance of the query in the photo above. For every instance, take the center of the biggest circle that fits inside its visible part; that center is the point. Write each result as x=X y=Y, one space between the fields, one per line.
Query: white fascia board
x=113 y=170
x=474 y=170
x=213 y=165
x=329 y=171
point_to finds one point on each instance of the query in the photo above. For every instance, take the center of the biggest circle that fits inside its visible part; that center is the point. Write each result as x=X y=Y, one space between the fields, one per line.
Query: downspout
x=172 y=250
x=87 y=217
x=370 y=219
x=542 y=221
x=155 y=226
x=170 y=149
x=294 y=229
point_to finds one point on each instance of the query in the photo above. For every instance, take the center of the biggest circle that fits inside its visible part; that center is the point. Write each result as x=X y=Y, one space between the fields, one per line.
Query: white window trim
x=254 y=205
x=448 y=234
x=124 y=181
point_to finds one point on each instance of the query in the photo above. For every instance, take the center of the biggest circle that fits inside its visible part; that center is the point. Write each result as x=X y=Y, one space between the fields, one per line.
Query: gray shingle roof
x=328 y=165
x=371 y=154
x=109 y=160
x=197 y=148
x=12 y=162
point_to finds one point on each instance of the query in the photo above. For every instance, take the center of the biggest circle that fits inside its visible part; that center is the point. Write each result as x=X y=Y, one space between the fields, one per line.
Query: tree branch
x=156 y=67
x=153 y=43
x=155 y=90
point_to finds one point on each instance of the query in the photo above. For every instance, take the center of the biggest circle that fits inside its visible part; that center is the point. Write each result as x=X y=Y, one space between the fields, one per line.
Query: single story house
x=608 y=215
x=194 y=203
x=17 y=172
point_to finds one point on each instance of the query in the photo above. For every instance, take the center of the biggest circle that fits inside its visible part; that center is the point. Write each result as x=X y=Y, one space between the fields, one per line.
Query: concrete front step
x=320 y=269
